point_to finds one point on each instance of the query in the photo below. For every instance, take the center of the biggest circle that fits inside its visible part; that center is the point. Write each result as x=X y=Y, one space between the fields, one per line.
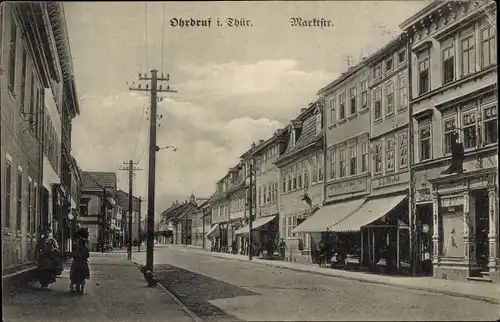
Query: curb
x=491 y=300
x=175 y=299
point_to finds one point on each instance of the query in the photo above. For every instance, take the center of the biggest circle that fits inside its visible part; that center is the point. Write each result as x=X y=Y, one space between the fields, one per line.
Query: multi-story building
x=76 y=183
x=97 y=206
x=454 y=104
x=123 y=201
x=220 y=215
x=33 y=77
x=178 y=219
x=301 y=176
x=236 y=194
x=202 y=223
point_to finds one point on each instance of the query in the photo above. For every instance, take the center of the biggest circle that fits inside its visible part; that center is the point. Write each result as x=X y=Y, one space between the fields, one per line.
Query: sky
x=235 y=85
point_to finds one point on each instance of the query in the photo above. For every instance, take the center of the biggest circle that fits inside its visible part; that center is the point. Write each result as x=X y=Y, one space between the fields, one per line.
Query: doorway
x=482 y=228
x=424 y=227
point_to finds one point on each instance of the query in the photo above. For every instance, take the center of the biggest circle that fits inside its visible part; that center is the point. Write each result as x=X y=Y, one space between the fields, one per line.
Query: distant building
x=137 y=227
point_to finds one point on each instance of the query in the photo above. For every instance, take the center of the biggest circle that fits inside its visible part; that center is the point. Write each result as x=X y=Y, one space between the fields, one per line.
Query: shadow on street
x=196 y=290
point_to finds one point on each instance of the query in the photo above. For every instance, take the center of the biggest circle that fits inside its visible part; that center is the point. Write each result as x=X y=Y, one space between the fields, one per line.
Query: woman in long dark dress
x=80 y=268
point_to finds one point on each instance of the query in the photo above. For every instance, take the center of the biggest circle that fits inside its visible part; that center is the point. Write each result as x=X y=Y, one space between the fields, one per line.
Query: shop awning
x=327 y=216
x=369 y=212
x=259 y=222
x=213 y=231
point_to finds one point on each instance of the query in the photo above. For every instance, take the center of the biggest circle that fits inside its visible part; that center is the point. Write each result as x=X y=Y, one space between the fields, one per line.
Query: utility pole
x=130 y=170
x=139 y=226
x=152 y=154
x=103 y=218
x=250 y=213
x=203 y=226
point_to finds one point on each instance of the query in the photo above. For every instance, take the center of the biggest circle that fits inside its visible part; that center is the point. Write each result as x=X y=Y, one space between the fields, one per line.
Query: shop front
x=264 y=230
x=465 y=226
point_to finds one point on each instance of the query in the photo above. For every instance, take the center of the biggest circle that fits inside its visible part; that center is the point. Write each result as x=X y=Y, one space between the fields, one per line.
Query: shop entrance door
x=482 y=230
x=424 y=239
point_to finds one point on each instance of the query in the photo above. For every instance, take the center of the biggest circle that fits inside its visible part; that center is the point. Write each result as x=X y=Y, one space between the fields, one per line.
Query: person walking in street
x=49 y=263
x=282 y=248
x=80 y=268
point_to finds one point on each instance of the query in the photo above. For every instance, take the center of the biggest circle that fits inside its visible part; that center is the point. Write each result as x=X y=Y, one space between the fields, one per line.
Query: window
x=403 y=91
x=292 y=137
x=289 y=174
x=468 y=60
x=19 y=195
x=342 y=163
x=8 y=192
x=352 y=96
x=23 y=81
x=469 y=128
x=294 y=224
x=423 y=76
x=32 y=100
x=299 y=175
x=332 y=110
x=449 y=130
x=425 y=143
x=319 y=124
x=378 y=158
x=389 y=87
x=389 y=153
x=283 y=181
x=364 y=157
x=306 y=173
x=29 y=204
x=388 y=65
x=320 y=167
x=12 y=55
x=331 y=157
x=378 y=105
x=295 y=177
x=364 y=94
x=35 y=207
x=448 y=65
x=403 y=150
x=402 y=56
x=490 y=123
x=378 y=71
x=352 y=160
x=259 y=196
x=342 y=106
x=487 y=47
x=314 y=171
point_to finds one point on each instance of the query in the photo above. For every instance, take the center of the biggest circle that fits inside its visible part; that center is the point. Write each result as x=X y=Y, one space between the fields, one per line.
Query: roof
x=177 y=210
x=122 y=197
x=104 y=179
x=351 y=71
x=280 y=134
x=391 y=45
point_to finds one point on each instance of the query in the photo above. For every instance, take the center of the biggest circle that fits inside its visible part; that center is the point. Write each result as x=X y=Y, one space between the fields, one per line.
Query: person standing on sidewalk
x=80 y=267
x=282 y=248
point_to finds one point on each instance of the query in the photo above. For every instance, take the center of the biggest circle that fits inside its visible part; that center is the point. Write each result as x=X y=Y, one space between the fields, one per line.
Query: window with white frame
x=377 y=72
x=352 y=97
x=403 y=149
x=364 y=157
x=425 y=142
x=320 y=167
x=403 y=91
x=8 y=192
x=423 y=76
x=388 y=65
x=12 y=56
x=283 y=181
x=314 y=170
x=332 y=110
x=389 y=154
x=467 y=52
x=389 y=88
x=289 y=175
x=449 y=128
x=331 y=157
x=488 y=46
x=448 y=64
x=352 y=160
x=469 y=129
x=306 y=173
x=342 y=106
x=490 y=124
x=378 y=158
x=299 y=175
x=295 y=174
x=402 y=56
x=364 y=93
x=19 y=196
x=377 y=113
x=342 y=163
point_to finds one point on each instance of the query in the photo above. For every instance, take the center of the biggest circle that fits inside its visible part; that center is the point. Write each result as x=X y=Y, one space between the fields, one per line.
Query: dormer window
x=292 y=137
x=318 y=123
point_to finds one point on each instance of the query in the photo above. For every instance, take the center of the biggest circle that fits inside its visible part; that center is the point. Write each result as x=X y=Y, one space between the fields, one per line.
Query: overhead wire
x=146 y=33
x=139 y=130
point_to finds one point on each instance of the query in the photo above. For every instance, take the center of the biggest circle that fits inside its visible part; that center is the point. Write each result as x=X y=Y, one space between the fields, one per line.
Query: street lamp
x=167 y=147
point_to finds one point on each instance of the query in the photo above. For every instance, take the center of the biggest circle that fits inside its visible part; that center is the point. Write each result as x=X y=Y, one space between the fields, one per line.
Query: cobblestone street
x=116 y=292
x=216 y=289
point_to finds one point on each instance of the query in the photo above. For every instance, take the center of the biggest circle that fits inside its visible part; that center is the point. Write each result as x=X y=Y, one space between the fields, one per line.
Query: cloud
x=210 y=134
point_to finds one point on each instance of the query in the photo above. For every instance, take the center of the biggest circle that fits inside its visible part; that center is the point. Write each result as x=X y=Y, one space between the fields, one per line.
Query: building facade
x=202 y=223
x=123 y=202
x=220 y=215
x=454 y=104
x=33 y=80
x=301 y=177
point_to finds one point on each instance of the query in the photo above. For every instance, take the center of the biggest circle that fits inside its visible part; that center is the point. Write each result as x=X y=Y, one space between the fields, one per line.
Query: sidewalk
x=116 y=292
x=479 y=291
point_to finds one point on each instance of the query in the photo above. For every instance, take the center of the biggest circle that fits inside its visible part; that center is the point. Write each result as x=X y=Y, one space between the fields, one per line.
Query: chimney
x=253 y=144
x=363 y=58
x=261 y=141
x=302 y=110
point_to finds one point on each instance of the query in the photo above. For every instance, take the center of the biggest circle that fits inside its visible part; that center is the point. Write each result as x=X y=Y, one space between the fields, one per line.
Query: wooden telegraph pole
x=139 y=225
x=153 y=89
x=130 y=170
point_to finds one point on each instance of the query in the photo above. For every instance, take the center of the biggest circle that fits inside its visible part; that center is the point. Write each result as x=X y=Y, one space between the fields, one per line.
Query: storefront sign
x=452 y=201
x=346 y=187
x=390 y=180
